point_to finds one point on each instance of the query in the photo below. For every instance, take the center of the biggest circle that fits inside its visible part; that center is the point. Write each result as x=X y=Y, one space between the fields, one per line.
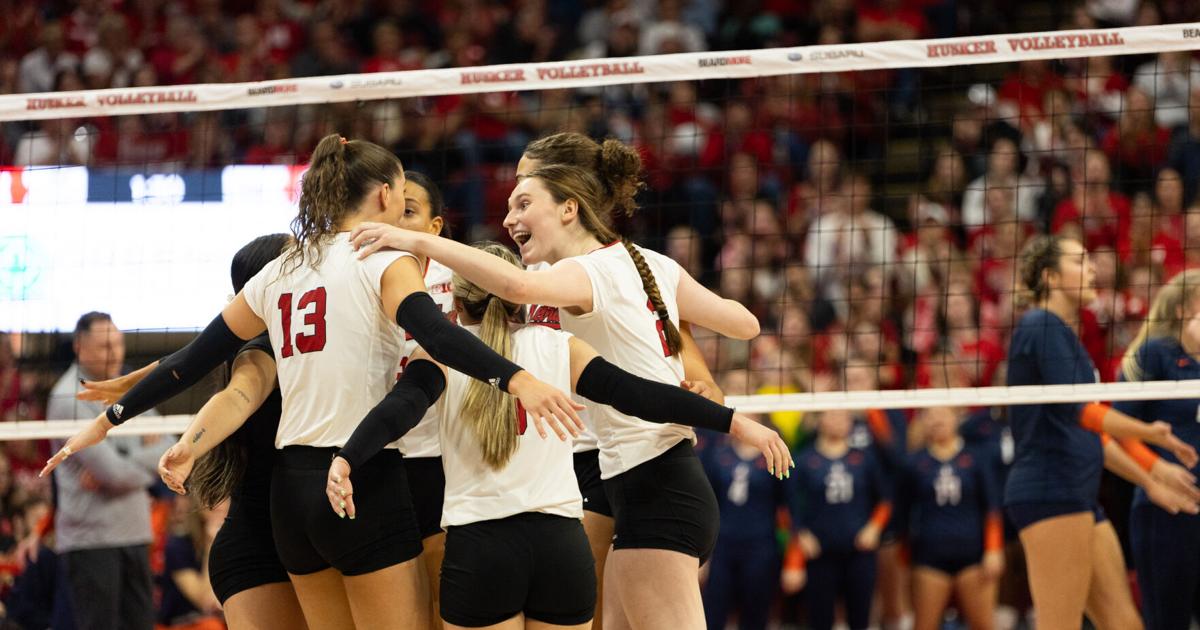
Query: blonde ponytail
x=488 y=411
x=1165 y=319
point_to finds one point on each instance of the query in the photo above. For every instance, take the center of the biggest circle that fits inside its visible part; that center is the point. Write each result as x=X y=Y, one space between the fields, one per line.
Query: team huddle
x=340 y=490
x=420 y=433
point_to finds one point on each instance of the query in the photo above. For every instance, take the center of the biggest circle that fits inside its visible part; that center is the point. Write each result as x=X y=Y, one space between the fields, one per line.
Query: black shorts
x=665 y=503
x=1023 y=515
x=587 y=473
x=427 y=484
x=243 y=553
x=310 y=537
x=949 y=563
x=531 y=563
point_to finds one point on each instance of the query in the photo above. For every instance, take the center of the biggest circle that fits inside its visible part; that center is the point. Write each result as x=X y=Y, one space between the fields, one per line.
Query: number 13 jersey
x=336 y=351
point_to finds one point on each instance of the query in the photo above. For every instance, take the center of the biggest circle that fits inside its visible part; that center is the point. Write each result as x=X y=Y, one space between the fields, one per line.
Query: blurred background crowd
x=868 y=218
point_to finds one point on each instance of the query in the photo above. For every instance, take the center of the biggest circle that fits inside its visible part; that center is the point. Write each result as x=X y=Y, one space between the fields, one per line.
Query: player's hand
x=809 y=545
x=1169 y=500
x=767 y=441
x=370 y=237
x=705 y=389
x=175 y=466
x=544 y=403
x=1175 y=477
x=993 y=564
x=339 y=490
x=91 y=435
x=26 y=551
x=867 y=538
x=792 y=580
x=1161 y=435
x=111 y=390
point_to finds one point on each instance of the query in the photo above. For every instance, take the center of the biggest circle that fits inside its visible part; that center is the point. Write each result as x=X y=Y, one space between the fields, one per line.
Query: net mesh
x=866 y=201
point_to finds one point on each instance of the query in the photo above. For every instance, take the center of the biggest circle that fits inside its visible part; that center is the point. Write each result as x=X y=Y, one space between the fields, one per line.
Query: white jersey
x=626 y=331
x=336 y=351
x=547 y=316
x=422 y=440
x=540 y=476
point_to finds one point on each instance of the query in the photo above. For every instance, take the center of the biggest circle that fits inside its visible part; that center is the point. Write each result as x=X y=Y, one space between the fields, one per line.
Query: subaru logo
x=795 y=56
x=337 y=85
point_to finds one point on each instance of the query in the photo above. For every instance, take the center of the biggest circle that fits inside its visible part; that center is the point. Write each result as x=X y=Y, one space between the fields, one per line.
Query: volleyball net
x=866 y=201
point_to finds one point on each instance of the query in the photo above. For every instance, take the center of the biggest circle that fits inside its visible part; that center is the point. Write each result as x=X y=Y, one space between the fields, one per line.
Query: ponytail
x=339 y=175
x=650 y=286
x=217 y=473
x=490 y=412
x=1163 y=320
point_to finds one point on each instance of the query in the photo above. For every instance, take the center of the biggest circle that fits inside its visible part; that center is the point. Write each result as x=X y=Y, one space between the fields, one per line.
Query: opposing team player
x=516 y=553
x=1165 y=546
x=626 y=302
x=332 y=329
x=1073 y=556
x=948 y=510
x=845 y=504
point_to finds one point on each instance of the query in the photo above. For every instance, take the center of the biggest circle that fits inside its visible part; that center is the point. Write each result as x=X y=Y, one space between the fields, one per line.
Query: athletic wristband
x=1091 y=417
x=450 y=344
x=993 y=532
x=215 y=345
x=883 y=512
x=1140 y=453
x=607 y=384
x=403 y=407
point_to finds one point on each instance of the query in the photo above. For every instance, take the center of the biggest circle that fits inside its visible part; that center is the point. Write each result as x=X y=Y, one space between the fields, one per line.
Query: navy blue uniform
x=1166 y=548
x=745 y=565
x=1057 y=463
x=885 y=433
x=837 y=497
x=942 y=507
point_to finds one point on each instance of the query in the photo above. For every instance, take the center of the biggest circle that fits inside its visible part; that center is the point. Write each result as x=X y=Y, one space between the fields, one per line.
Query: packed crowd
x=776 y=192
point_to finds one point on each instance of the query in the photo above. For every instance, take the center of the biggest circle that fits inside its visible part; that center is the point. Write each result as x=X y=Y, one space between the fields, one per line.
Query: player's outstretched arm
x=600 y=381
x=218 y=342
x=252 y=380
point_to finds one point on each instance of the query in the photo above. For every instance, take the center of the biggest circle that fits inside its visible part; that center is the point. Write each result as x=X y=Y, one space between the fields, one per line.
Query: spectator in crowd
x=114 y=60
x=1184 y=150
x=847 y=236
x=40 y=68
x=1168 y=80
x=102 y=522
x=1003 y=169
x=1137 y=144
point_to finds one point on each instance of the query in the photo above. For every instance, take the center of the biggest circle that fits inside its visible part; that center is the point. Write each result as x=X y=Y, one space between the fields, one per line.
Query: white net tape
x=956 y=51
x=885 y=399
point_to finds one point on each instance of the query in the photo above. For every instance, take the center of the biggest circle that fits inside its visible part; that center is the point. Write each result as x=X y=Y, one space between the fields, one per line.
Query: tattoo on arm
x=243 y=395
x=196 y=438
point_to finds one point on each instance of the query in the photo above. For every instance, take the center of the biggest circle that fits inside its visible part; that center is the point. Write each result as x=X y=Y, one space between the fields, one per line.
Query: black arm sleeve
x=608 y=384
x=451 y=345
x=418 y=388
x=215 y=345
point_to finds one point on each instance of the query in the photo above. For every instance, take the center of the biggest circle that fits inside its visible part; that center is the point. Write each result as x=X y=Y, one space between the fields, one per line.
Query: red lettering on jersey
x=544 y=316
x=305 y=343
x=662 y=328
x=522 y=418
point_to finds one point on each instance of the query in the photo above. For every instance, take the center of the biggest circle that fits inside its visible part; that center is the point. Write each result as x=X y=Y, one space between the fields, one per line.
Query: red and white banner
x=599 y=72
